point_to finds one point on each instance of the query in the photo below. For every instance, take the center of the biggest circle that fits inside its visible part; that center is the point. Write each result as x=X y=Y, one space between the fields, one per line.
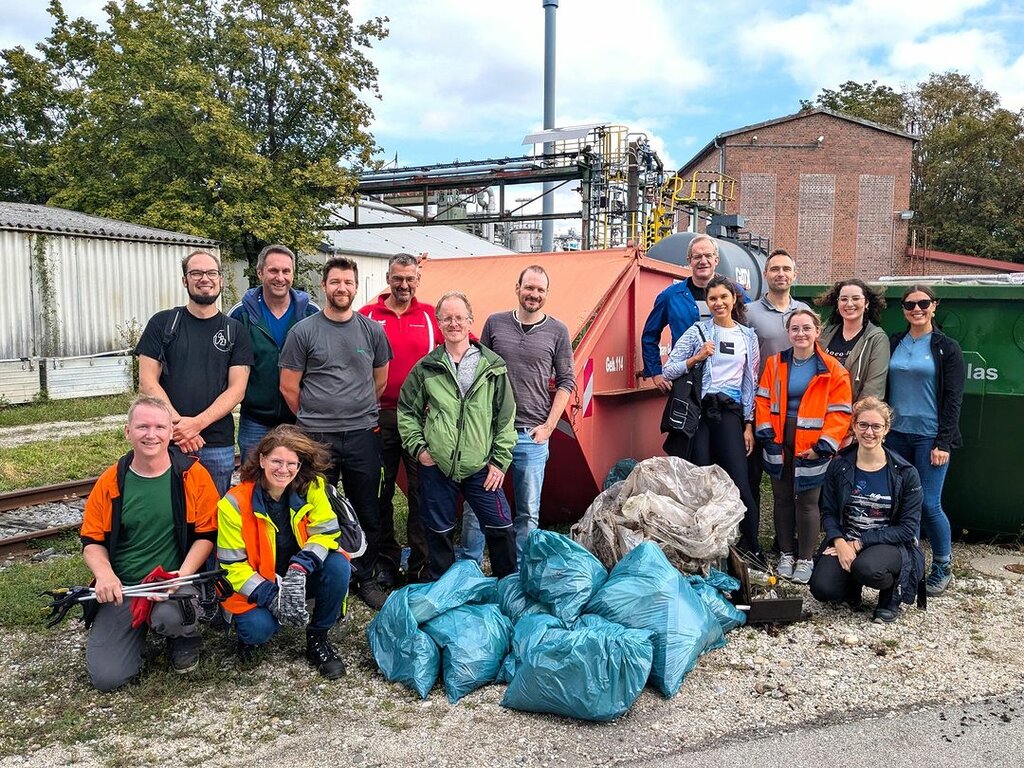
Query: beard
x=204 y=299
x=341 y=303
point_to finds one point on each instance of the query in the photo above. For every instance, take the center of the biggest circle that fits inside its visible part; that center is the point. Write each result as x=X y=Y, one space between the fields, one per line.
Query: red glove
x=141 y=607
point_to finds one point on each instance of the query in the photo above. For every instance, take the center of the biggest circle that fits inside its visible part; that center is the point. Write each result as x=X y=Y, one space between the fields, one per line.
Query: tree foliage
x=968 y=171
x=238 y=120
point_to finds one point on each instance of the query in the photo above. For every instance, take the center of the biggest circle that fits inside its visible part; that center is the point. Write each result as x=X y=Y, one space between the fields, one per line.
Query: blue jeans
x=250 y=432
x=917 y=450
x=219 y=462
x=528 y=462
x=328 y=586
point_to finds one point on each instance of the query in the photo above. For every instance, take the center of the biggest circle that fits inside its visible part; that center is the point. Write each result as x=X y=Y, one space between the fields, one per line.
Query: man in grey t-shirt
x=334 y=366
x=536 y=348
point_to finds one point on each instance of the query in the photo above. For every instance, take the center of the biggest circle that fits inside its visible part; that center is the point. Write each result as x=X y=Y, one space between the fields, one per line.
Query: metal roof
x=439 y=242
x=25 y=217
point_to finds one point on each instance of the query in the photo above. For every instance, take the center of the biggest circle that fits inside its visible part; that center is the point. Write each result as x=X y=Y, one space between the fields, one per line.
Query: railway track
x=48 y=494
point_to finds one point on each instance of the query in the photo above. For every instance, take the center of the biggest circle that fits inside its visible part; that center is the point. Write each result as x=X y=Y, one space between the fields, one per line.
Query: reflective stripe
x=774 y=407
x=763 y=392
x=812 y=471
x=832 y=442
x=250 y=584
x=226 y=555
x=327 y=526
x=763 y=426
x=803 y=423
x=317 y=550
x=839 y=408
x=772 y=458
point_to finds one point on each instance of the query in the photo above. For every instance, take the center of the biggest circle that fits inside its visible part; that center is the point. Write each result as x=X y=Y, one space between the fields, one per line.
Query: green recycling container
x=981 y=493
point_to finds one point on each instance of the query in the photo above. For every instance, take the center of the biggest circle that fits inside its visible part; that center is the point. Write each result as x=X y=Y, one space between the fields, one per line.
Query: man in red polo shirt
x=412 y=329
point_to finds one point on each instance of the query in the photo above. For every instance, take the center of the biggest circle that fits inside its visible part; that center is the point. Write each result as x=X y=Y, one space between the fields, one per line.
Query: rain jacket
x=463 y=434
x=822 y=420
x=868 y=361
x=246 y=536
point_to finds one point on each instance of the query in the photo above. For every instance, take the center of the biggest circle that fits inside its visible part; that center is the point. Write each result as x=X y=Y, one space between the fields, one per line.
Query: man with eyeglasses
x=196 y=359
x=412 y=330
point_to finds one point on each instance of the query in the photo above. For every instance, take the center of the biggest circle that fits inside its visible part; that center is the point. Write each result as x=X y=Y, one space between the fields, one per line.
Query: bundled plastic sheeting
x=528 y=632
x=713 y=589
x=560 y=573
x=514 y=602
x=594 y=671
x=646 y=592
x=403 y=652
x=475 y=641
x=692 y=512
x=463 y=583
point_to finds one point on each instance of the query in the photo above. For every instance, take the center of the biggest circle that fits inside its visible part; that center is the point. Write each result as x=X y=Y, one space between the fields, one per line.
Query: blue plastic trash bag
x=515 y=603
x=619 y=472
x=474 y=640
x=645 y=592
x=403 y=652
x=728 y=615
x=528 y=632
x=560 y=573
x=461 y=584
x=593 y=672
x=721 y=581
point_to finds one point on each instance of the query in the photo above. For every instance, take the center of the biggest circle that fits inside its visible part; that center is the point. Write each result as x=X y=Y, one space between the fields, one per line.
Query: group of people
x=327 y=395
x=854 y=428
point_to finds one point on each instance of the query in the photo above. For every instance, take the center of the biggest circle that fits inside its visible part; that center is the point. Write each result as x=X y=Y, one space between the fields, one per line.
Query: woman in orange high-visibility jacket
x=277 y=527
x=803 y=412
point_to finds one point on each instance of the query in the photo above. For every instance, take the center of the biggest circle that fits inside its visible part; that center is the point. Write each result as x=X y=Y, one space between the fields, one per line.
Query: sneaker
x=785 y=567
x=184 y=652
x=321 y=654
x=246 y=653
x=802 y=571
x=885 y=615
x=371 y=593
x=938 y=578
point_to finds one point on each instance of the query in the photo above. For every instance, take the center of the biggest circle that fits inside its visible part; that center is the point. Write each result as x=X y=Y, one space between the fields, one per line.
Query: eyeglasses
x=454 y=320
x=400 y=280
x=291 y=466
x=920 y=304
x=864 y=426
x=851 y=299
x=196 y=274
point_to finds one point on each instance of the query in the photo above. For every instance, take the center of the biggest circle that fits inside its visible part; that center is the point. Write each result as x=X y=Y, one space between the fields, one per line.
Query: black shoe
x=184 y=652
x=321 y=654
x=389 y=579
x=885 y=615
x=246 y=653
x=371 y=594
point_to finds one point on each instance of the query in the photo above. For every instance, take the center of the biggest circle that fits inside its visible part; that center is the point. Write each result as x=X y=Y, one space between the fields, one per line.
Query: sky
x=463 y=79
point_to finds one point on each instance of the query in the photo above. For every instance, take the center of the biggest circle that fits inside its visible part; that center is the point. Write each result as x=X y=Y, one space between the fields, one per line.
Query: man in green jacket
x=456 y=415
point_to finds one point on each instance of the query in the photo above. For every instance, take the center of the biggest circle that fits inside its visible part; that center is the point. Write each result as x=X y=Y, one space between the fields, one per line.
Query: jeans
x=917 y=450
x=250 y=432
x=328 y=587
x=528 y=462
x=219 y=461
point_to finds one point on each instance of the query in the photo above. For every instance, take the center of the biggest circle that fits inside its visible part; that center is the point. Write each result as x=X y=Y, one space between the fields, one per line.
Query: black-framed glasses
x=866 y=426
x=920 y=304
x=196 y=274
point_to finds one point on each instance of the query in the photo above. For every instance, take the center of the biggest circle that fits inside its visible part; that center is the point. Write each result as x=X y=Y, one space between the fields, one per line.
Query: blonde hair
x=873 y=404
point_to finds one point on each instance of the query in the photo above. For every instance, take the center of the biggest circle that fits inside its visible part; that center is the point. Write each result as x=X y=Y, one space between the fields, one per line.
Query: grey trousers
x=113 y=655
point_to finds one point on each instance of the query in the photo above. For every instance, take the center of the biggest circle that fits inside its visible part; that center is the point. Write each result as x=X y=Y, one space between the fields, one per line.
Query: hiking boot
x=321 y=654
x=886 y=615
x=785 y=567
x=184 y=652
x=246 y=653
x=938 y=578
x=802 y=571
x=371 y=593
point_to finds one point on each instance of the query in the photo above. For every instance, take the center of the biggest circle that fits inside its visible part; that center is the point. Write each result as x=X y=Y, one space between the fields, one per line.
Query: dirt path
x=31 y=433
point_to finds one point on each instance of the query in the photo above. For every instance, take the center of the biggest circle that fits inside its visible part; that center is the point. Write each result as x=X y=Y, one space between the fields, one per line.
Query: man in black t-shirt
x=197 y=360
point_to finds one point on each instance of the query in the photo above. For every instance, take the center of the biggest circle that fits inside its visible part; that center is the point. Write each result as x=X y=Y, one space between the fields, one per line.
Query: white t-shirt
x=727 y=362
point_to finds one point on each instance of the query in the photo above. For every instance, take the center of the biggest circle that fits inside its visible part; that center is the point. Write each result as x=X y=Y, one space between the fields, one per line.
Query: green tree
x=239 y=120
x=868 y=101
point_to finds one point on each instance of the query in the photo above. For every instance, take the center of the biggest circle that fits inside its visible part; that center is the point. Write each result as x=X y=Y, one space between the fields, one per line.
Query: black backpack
x=171 y=333
x=351 y=540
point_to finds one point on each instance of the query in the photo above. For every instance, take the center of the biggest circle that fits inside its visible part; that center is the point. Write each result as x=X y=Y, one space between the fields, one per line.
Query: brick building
x=827 y=187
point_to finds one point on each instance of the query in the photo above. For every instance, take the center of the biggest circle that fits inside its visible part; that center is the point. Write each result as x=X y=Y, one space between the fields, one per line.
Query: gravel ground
x=40 y=516
x=54 y=430
x=832 y=666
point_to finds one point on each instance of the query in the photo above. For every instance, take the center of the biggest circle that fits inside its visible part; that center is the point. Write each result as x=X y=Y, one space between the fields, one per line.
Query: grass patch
x=20 y=585
x=76 y=409
x=55 y=461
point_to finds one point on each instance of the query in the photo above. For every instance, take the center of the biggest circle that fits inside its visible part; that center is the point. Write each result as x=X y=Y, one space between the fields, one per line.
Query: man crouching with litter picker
x=149 y=518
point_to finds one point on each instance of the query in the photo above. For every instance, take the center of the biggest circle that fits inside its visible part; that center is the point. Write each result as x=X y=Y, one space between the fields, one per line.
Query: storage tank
x=738 y=262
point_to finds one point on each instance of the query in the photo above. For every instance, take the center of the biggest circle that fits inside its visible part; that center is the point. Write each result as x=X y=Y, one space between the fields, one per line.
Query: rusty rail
x=27 y=497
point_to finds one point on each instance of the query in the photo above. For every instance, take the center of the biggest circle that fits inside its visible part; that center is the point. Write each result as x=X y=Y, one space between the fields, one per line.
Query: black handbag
x=682 y=410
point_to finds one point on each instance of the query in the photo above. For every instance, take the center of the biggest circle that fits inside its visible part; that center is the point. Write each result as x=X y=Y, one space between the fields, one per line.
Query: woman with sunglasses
x=803 y=413
x=926 y=389
x=854 y=337
x=871 y=510
x=278 y=527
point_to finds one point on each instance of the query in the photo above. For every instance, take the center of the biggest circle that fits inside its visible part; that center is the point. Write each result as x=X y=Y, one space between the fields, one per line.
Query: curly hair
x=875 y=301
x=739 y=309
x=314 y=457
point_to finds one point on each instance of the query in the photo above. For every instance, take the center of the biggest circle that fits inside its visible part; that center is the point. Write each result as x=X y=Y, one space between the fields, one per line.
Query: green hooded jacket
x=463 y=435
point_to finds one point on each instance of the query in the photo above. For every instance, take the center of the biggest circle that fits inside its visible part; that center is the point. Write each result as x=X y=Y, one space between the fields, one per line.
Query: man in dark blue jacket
x=268 y=312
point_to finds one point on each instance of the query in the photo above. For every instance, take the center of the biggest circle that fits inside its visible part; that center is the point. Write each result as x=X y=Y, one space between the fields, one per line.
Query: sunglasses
x=920 y=304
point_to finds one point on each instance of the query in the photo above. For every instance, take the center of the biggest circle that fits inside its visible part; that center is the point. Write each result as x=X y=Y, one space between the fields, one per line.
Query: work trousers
x=390 y=550
x=877 y=567
x=797 y=517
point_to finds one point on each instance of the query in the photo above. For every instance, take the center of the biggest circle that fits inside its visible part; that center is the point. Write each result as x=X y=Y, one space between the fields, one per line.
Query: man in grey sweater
x=537 y=350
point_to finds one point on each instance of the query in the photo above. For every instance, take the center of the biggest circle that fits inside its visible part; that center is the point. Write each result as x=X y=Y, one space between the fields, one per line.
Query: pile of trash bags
x=567 y=636
x=692 y=512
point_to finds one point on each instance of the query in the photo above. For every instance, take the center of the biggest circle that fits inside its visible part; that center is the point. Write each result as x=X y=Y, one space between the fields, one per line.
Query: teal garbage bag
x=514 y=602
x=594 y=671
x=461 y=584
x=644 y=591
x=557 y=571
x=474 y=640
x=404 y=653
x=528 y=632
x=714 y=589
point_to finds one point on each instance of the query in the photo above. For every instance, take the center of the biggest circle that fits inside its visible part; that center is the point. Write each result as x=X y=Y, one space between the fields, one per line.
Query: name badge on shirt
x=727 y=347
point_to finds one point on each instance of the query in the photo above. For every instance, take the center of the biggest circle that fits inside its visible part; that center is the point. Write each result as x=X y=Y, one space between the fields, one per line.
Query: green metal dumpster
x=982 y=491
